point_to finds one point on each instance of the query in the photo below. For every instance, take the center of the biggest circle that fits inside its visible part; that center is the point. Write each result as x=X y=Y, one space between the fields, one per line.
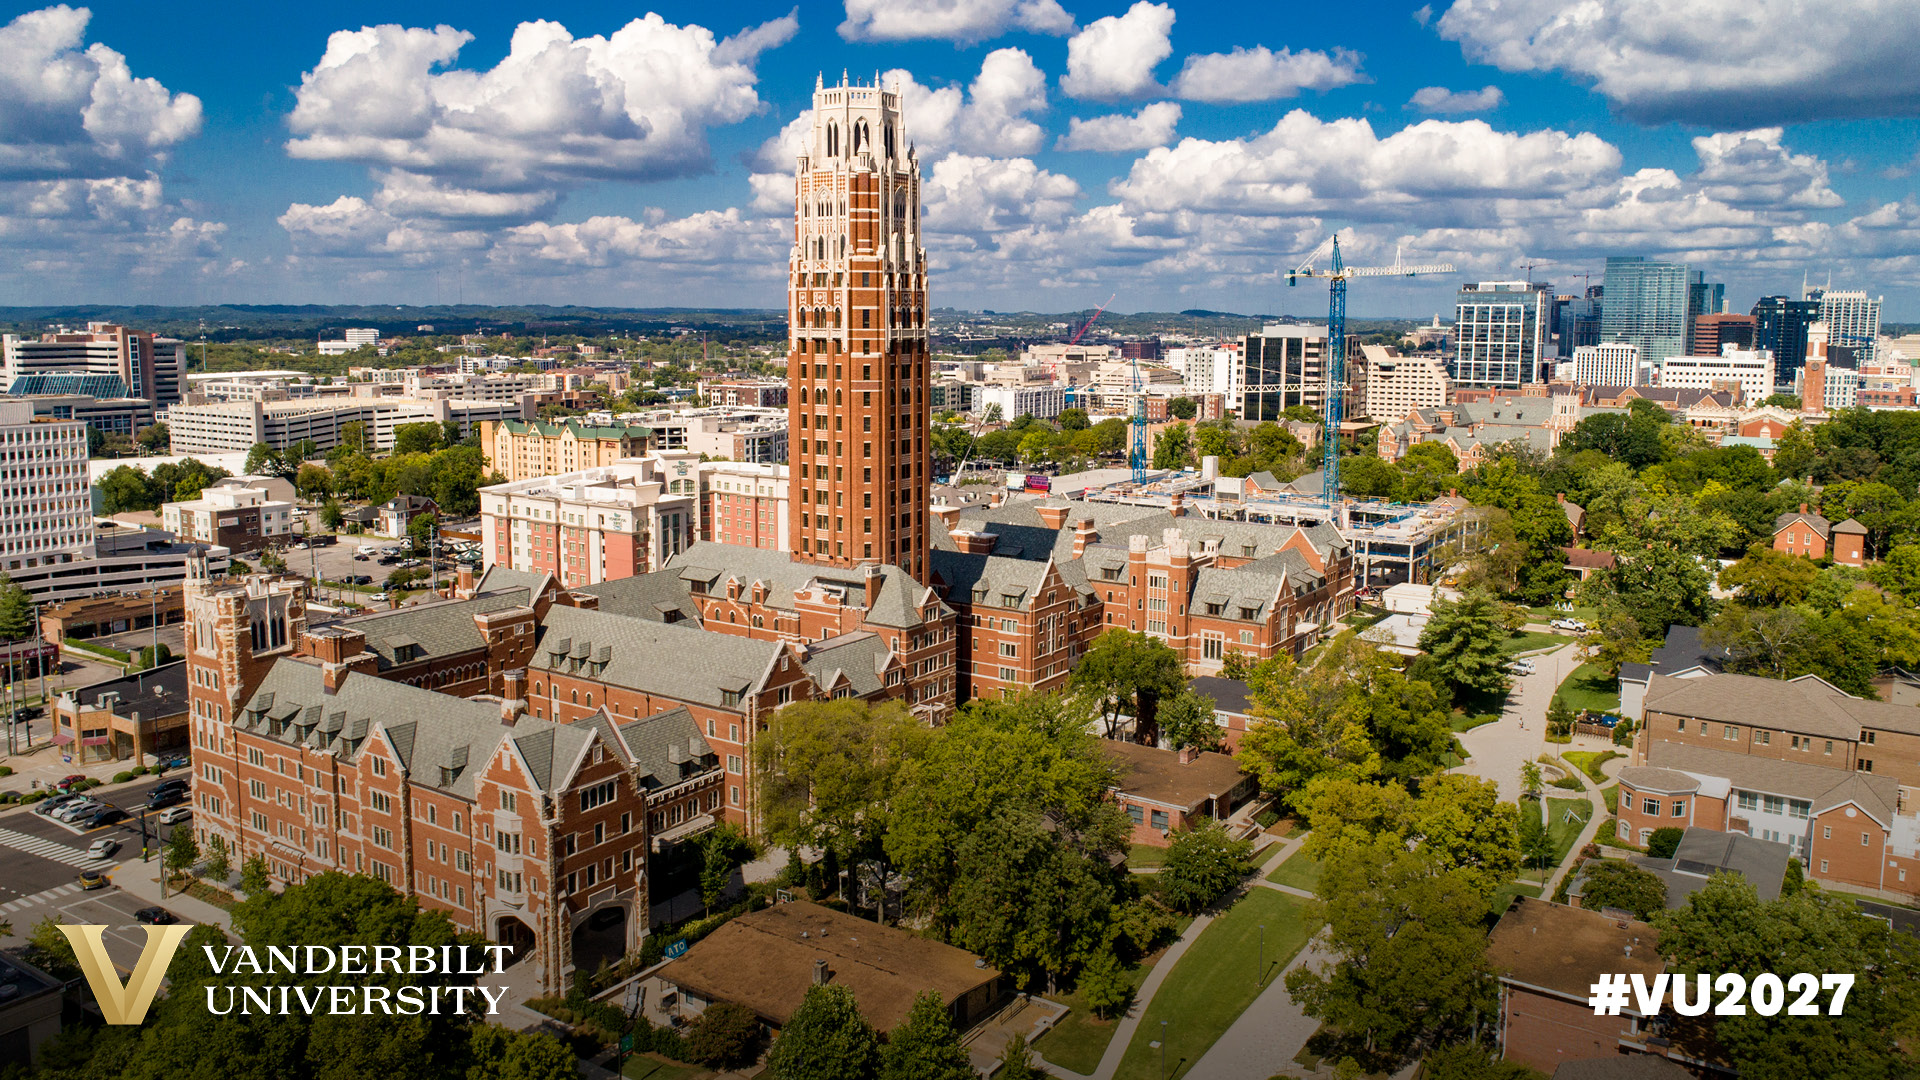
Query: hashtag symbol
x=1609 y=995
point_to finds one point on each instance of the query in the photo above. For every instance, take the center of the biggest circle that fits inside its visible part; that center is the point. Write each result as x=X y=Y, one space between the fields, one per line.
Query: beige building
x=526 y=449
x=1393 y=385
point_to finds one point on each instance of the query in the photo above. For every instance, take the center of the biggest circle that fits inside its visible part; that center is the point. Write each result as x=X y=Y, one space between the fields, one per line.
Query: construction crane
x=1337 y=272
x=1137 y=455
x=1088 y=325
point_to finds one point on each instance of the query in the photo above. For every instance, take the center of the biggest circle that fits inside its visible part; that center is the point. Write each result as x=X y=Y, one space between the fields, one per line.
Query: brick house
x=1797 y=762
x=1167 y=791
x=1807 y=533
x=1548 y=955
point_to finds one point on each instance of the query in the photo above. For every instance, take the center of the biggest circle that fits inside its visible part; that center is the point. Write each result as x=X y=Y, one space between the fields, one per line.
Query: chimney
x=819 y=973
x=1803 y=508
x=975 y=543
x=1188 y=755
x=1176 y=504
x=870 y=574
x=1084 y=536
x=1560 y=496
x=463 y=582
x=513 y=695
x=1053 y=517
x=947 y=516
x=994 y=499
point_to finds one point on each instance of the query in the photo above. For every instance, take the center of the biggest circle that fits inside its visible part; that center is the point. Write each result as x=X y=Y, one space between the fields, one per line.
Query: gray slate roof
x=654 y=596
x=897 y=605
x=437 y=629
x=667 y=747
x=683 y=661
x=1826 y=787
x=990 y=579
x=442 y=741
x=861 y=657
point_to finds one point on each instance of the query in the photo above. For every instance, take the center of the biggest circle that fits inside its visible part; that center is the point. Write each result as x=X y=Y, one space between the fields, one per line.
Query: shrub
x=8 y=796
x=6 y=770
x=1620 y=884
x=1202 y=863
x=33 y=796
x=141 y=770
x=1664 y=842
x=122 y=777
x=726 y=1036
x=1105 y=986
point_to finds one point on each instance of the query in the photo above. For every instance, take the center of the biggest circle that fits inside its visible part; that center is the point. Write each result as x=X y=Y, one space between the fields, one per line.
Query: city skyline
x=1177 y=155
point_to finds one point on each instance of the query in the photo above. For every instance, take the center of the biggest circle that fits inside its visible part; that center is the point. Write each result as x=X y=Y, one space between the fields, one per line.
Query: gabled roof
x=1820 y=524
x=1851 y=526
x=992 y=580
x=667 y=747
x=580 y=430
x=857 y=660
x=712 y=563
x=654 y=596
x=434 y=630
x=1820 y=784
x=679 y=661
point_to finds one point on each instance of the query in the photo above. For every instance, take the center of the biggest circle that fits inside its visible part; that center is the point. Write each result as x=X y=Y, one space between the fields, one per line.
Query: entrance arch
x=601 y=937
x=510 y=931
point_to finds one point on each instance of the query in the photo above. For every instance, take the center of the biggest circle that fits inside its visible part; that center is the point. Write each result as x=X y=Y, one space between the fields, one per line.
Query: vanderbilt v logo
x=125 y=1003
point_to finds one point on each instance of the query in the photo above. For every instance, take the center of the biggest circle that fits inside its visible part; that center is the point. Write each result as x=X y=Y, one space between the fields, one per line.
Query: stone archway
x=511 y=931
x=601 y=936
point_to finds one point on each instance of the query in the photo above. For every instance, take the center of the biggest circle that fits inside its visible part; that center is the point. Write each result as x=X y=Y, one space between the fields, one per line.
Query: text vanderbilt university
x=351 y=960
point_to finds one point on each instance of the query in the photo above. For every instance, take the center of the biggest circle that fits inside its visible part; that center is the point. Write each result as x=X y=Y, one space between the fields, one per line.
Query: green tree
x=727 y=1036
x=421 y=438
x=825 y=1039
x=1174 y=447
x=50 y=949
x=1664 y=841
x=1534 y=838
x=254 y=879
x=422 y=530
x=1657 y=583
x=1620 y=884
x=313 y=481
x=1464 y=638
x=264 y=460
x=154 y=438
x=498 y=1053
x=925 y=1046
x=1104 y=986
x=1726 y=927
x=1410 y=948
x=1616 y=639
x=353 y=437
x=219 y=864
x=1187 y=722
x=1016 y=1061
x=182 y=852
x=331 y=515
x=1560 y=716
x=1530 y=779
x=1474 y=1061
x=16 y=611
x=124 y=489
x=1184 y=408
x=830 y=774
x=1127 y=669
x=1028 y=903
x=1767 y=578
x=1789 y=402
x=1073 y=420
x=1202 y=864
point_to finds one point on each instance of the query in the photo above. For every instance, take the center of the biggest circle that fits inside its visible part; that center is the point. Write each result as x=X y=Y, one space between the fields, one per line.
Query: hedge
x=122 y=777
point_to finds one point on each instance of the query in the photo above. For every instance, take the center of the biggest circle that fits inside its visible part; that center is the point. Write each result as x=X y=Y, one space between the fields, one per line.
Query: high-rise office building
x=1500 y=333
x=1608 y=364
x=1853 y=322
x=46 y=514
x=1646 y=305
x=1703 y=298
x=149 y=368
x=1713 y=332
x=857 y=366
x=1577 y=322
x=1281 y=366
x=1780 y=326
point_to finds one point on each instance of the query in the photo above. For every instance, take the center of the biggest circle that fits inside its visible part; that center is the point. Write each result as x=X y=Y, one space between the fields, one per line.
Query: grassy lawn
x=648 y=1067
x=1297 y=871
x=1146 y=856
x=1080 y=1039
x=1504 y=895
x=1529 y=641
x=1215 y=981
x=1466 y=721
x=1589 y=761
x=1565 y=832
x=1589 y=688
x=1611 y=793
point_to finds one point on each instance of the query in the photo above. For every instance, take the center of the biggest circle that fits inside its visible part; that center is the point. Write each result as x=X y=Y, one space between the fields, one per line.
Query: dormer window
x=730 y=698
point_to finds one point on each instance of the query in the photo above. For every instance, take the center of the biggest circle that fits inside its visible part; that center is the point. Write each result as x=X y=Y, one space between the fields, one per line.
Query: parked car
x=160 y=800
x=361 y=556
x=378 y=598
x=93 y=879
x=108 y=816
x=75 y=810
x=155 y=916
x=102 y=848
x=49 y=805
x=180 y=762
x=67 y=782
x=175 y=814
x=1520 y=667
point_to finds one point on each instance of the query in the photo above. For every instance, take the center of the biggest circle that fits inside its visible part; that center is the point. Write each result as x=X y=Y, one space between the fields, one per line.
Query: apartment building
x=241 y=519
x=1039 y=402
x=1796 y=762
x=1392 y=385
x=1750 y=371
x=1610 y=363
x=223 y=427
x=753 y=393
x=593 y=525
x=520 y=449
x=736 y=433
x=744 y=503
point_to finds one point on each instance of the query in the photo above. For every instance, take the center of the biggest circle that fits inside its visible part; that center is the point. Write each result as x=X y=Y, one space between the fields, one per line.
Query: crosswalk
x=46 y=849
x=40 y=899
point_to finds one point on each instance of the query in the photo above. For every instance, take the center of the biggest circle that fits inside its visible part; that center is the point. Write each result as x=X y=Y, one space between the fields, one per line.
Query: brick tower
x=857 y=362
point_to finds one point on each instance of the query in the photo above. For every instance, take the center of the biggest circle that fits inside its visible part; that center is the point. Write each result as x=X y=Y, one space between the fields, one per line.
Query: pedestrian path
x=47 y=849
x=40 y=899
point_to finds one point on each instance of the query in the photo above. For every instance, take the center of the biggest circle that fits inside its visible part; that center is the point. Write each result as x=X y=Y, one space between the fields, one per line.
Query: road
x=1496 y=751
x=41 y=860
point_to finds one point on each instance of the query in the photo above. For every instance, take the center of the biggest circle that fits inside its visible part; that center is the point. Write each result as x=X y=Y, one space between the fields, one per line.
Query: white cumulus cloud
x=1260 y=74
x=1723 y=62
x=1752 y=168
x=963 y=21
x=1439 y=99
x=1150 y=127
x=1114 y=57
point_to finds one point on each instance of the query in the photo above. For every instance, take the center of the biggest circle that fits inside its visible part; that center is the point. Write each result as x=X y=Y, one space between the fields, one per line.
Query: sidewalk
x=142 y=880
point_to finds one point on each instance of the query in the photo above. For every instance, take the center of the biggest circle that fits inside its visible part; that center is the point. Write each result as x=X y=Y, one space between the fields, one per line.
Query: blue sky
x=1175 y=154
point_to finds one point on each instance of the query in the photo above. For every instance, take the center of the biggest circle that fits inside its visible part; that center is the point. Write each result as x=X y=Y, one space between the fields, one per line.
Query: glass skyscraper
x=1780 y=324
x=1647 y=304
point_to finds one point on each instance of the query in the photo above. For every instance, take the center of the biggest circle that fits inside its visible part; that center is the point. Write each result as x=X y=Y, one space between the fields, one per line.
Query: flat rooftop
x=1561 y=949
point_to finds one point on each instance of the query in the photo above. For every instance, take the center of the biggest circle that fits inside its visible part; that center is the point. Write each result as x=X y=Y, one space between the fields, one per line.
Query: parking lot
x=173 y=636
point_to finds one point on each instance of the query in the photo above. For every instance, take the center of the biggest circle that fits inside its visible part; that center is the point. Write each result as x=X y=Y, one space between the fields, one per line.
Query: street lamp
x=1163 y=1050
x=1260 y=973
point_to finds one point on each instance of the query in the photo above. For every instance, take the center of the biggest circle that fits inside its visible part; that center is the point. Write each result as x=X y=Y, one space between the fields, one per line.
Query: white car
x=1521 y=667
x=74 y=811
x=102 y=848
x=175 y=814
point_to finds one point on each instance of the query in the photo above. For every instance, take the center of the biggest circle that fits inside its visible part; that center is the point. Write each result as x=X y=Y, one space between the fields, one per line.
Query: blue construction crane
x=1337 y=273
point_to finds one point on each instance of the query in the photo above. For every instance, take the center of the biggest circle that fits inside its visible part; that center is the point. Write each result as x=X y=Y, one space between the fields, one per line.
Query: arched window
x=576 y=697
x=888 y=132
x=833 y=140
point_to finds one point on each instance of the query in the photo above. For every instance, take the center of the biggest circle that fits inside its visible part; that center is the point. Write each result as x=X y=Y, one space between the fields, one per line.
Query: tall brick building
x=857 y=362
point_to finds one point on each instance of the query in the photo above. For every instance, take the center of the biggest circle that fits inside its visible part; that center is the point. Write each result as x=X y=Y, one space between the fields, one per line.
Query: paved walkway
x=1496 y=751
x=1595 y=818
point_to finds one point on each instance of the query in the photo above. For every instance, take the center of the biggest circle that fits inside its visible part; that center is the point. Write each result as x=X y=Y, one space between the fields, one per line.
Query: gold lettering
x=125 y=1003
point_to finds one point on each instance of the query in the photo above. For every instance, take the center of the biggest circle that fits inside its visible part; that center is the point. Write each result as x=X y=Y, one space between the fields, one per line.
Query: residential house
x=1169 y=791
